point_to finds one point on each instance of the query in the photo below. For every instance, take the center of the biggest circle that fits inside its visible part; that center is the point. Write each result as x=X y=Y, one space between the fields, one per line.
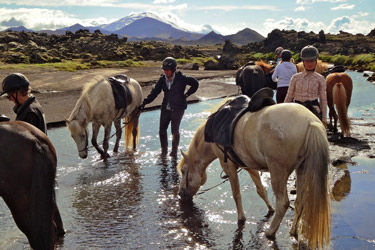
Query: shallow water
x=131 y=202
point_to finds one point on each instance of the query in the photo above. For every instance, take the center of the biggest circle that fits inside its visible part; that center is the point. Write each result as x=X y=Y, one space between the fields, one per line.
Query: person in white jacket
x=282 y=74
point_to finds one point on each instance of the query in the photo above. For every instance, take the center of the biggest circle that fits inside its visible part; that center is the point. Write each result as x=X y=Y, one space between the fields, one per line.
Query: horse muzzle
x=83 y=154
x=185 y=195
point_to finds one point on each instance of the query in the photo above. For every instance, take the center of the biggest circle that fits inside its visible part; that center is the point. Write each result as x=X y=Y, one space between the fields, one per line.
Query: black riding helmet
x=309 y=52
x=13 y=82
x=286 y=55
x=169 y=63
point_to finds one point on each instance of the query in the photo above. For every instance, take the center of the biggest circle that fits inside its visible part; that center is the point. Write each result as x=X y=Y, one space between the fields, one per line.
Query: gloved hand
x=141 y=107
x=186 y=96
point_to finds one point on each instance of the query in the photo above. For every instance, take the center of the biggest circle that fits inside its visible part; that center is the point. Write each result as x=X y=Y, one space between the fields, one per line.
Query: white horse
x=97 y=105
x=279 y=139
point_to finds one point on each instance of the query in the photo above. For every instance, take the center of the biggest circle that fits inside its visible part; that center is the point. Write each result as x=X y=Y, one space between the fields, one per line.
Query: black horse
x=253 y=76
x=27 y=182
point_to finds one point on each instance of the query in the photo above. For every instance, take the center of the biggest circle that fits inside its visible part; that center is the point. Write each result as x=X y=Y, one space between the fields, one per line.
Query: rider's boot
x=175 y=142
x=163 y=143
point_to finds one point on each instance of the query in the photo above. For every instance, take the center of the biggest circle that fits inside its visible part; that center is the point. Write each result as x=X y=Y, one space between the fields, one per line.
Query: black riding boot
x=163 y=143
x=175 y=142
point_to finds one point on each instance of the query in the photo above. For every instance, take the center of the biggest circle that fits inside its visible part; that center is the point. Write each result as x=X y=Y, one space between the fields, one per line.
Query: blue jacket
x=176 y=96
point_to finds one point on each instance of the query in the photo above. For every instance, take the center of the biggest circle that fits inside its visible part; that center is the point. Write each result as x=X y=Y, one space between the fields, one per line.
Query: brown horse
x=27 y=182
x=253 y=76
x=269 y=140
x=339 y=92
x=320 y=67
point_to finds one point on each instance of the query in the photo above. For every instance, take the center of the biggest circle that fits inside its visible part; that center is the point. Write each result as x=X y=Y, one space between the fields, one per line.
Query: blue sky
x=225 y=17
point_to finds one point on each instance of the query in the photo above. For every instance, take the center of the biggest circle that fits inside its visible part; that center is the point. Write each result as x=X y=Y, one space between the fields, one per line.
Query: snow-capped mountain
x=121 y=23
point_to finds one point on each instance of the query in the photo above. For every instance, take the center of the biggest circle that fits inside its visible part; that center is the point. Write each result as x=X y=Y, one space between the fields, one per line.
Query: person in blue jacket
x=173 y=83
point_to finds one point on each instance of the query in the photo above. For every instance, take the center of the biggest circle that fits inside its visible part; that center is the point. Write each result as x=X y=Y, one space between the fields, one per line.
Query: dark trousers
x=173 y=117
x=281 y=94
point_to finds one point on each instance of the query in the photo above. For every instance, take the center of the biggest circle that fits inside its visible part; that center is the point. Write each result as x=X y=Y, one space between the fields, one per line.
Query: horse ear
x=184 y=155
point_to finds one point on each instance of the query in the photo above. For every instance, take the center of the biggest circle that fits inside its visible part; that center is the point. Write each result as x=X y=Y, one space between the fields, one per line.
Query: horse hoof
x=270 y=235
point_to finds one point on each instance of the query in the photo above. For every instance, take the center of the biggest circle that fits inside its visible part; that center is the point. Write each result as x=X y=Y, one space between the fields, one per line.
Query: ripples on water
x=131 y=202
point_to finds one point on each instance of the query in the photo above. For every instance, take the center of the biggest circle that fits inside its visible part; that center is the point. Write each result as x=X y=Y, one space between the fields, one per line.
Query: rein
x=225 y=177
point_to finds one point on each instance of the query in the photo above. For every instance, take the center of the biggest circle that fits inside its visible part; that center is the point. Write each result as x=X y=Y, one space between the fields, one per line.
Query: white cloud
x=163 y=1
x=37 y=19
x=298 y=24
x=300 y=8
x=351 y=25
x=344 y=6
x=238 y=7
x=316 y=1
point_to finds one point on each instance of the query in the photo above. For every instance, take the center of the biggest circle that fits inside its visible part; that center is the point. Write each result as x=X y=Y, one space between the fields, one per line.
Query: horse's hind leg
x=117 y=124
x=262 y=192
x=278 y=180
x=231 y=170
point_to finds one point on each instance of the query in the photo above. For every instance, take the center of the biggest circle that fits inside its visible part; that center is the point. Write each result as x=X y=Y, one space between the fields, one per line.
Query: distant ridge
x=19 y=29
x=147 y=26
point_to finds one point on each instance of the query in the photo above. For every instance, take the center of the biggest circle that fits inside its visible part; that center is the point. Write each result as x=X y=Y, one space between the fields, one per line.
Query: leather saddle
x=220 y=125
x=4 y=118
x=121 y=91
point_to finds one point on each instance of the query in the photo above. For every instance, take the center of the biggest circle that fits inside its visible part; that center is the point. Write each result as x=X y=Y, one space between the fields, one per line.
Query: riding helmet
x=286 y=55
x=14 y=82
x=278 y=50
x=309 y=52
x=169 y=63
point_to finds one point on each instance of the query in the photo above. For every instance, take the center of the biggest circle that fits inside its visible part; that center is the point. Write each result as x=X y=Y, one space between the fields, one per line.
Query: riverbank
x=58 y=91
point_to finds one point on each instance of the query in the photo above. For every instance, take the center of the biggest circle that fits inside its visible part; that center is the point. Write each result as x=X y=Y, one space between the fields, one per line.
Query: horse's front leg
x=230 y=170
x=107 y=134
x=117 y=124
x=95 y=131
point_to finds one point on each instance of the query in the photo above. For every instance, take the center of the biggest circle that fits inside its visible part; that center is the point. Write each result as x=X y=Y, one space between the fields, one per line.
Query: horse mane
x=82 y=111
x=197 y=138
x=265 y=66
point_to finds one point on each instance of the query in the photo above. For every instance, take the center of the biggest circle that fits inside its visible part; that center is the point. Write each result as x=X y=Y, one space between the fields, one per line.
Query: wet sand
x=58 y=91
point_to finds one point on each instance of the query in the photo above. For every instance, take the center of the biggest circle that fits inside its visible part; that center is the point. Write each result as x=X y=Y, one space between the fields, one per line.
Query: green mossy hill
x=33 y=47
x=354 y=51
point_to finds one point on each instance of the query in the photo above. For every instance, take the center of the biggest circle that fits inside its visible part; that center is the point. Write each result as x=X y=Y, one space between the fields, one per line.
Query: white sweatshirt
x=283 y=72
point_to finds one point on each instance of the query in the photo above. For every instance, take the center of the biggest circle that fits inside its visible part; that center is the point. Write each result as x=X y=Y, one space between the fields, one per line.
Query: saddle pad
x=121 y=91
x=220 y=125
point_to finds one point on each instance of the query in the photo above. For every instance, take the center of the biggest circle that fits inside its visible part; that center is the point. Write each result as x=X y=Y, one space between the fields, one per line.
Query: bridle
x=85 y=148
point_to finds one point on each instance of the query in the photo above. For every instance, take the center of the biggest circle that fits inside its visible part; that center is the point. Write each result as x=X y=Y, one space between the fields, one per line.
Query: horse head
x=80 y=134
x=191 y=177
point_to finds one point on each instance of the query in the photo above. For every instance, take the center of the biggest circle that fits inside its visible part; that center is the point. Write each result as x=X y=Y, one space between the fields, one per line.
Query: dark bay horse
x=253 y=76
x=27 y=182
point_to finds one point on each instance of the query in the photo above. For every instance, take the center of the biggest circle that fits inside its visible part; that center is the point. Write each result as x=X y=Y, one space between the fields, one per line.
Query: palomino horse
x=97 y=105
x=27 y=182
x=252 y=77
x=269 y=140
x=339 y=92
x=320 y=67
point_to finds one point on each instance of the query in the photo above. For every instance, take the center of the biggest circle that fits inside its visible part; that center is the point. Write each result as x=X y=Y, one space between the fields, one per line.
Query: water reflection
x=342 y=186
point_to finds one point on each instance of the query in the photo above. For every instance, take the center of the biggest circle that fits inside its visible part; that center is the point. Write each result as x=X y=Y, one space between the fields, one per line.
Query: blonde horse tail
x=132 y=130
x=339 y=99
x=312 y=189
